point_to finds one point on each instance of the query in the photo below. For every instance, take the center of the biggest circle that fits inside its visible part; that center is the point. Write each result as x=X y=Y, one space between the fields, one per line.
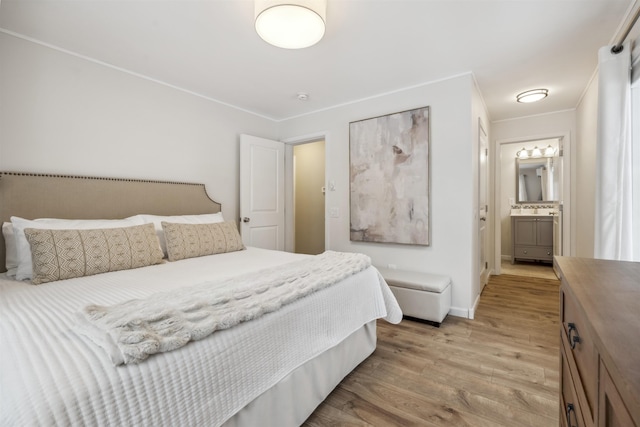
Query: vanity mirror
x=538 y=179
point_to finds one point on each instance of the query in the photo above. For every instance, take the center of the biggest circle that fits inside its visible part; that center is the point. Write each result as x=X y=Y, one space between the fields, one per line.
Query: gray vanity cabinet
x=532 y=238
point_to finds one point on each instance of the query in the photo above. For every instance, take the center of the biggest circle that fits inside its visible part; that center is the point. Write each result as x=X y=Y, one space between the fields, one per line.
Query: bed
x=272 y=370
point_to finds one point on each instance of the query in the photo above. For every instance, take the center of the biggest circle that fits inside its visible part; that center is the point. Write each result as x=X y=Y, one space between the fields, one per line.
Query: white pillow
x=178 y=219
x=11 y=261
x=25 y=269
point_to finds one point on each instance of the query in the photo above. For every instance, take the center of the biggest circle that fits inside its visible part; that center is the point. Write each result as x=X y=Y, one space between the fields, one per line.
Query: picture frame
x=389 y=178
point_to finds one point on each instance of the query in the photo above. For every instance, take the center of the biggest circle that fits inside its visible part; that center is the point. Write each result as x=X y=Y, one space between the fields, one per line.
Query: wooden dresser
x=600 y=342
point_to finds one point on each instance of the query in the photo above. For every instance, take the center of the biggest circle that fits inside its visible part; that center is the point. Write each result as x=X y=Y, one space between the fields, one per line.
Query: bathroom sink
x=532 y=211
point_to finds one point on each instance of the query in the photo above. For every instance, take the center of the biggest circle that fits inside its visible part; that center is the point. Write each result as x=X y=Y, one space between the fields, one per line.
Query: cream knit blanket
x=132 y=331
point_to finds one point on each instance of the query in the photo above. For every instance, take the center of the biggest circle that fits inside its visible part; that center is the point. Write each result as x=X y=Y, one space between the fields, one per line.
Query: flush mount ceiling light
x=532 y=95
x=291 y=24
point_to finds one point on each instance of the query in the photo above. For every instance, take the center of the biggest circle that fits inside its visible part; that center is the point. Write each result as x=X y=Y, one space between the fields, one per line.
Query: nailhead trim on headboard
x=96 y=177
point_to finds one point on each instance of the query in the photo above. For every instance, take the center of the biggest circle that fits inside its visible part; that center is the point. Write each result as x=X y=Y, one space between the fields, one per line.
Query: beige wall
x=309 y=199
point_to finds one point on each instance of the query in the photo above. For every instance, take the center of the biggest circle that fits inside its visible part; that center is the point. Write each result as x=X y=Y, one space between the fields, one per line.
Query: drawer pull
x=571 y=410
x=573 y=340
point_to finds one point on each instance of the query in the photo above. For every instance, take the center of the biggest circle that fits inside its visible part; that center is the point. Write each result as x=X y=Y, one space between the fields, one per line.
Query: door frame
x=289 y=218
x=485 y=271
x=567 y=193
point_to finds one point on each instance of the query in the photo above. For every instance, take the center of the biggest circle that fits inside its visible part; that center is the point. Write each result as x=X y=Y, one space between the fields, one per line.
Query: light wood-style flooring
x=500 y=369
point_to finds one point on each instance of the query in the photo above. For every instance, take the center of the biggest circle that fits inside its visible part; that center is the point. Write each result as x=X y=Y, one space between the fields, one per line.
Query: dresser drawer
x=533 y=252
x=570 y=411
x=581 y=350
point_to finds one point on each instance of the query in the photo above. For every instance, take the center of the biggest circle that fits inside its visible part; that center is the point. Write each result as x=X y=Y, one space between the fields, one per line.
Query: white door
x=262 y=192
x=483 y=152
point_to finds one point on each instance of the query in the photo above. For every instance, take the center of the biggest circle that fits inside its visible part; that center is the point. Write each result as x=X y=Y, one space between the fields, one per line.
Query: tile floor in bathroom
x=528 y=269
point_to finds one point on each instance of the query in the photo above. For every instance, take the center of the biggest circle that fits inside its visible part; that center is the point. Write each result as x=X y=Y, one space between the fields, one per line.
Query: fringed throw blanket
x=132 y=331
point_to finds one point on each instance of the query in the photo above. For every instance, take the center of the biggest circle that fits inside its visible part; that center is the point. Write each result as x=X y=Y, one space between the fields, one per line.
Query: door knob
x=245 y=219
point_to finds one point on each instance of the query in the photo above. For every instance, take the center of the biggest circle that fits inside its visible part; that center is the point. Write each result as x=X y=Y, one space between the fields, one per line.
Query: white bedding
x=50 y=375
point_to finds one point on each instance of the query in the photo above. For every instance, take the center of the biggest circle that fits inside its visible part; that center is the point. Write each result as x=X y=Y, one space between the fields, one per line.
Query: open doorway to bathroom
x=309 y=197
x=531 y=206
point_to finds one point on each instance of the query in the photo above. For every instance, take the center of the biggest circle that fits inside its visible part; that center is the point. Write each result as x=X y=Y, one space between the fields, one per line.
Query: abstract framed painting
x=389 y=178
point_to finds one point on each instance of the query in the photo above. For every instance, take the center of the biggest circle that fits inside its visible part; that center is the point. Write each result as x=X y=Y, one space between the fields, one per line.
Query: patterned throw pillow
x=195 y=240
x=64 y=254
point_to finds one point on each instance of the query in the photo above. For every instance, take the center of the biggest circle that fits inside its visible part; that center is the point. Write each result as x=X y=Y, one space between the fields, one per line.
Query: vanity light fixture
x=536 y=152
x=549 y=151
x=290 y=24
x=532 y=95
x=522 y=154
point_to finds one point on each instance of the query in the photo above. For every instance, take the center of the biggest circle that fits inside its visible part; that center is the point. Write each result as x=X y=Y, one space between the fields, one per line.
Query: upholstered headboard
x=33 y=196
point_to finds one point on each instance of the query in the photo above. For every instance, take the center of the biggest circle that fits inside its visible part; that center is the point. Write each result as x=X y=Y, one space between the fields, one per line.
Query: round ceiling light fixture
x=291 y=24
x=532 y=95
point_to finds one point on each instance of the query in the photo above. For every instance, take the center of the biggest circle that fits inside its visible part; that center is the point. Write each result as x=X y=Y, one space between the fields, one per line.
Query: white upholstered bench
x=422 y=296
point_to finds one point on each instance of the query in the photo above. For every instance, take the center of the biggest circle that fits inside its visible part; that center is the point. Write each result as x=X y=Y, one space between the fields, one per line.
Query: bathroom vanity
x=532 y=237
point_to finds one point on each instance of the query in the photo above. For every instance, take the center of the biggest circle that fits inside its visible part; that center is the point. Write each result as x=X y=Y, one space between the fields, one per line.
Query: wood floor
x=500 y=369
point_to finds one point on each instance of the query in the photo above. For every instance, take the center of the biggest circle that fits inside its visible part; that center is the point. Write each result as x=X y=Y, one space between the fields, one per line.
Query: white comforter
x=50 y=375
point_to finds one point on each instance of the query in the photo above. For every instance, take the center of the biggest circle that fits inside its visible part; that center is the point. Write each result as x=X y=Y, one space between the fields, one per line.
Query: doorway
x=309 y=198
x=509 y=190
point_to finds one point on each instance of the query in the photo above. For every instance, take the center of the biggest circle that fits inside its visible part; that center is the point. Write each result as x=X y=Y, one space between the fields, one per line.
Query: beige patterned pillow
x=194 y=240
x=64 y=254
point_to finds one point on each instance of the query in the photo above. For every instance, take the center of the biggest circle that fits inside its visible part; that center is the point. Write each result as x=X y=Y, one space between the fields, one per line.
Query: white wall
x=63 y=114
x=67 y=115
x=453 y=180
x=585 y=176
x=559 y=124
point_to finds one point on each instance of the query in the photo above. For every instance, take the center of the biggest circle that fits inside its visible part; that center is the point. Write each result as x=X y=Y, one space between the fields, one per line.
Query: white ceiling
x=371 y=47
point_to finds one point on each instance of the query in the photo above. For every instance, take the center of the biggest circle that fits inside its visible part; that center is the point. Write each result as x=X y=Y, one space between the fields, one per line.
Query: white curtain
x=544 y=184
x=635 y=118
x=522 y=188
x=614 y=175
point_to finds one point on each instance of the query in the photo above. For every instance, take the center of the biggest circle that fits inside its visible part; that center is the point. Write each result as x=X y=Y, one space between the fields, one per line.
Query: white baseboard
x=472 y=311
x=459 y=312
